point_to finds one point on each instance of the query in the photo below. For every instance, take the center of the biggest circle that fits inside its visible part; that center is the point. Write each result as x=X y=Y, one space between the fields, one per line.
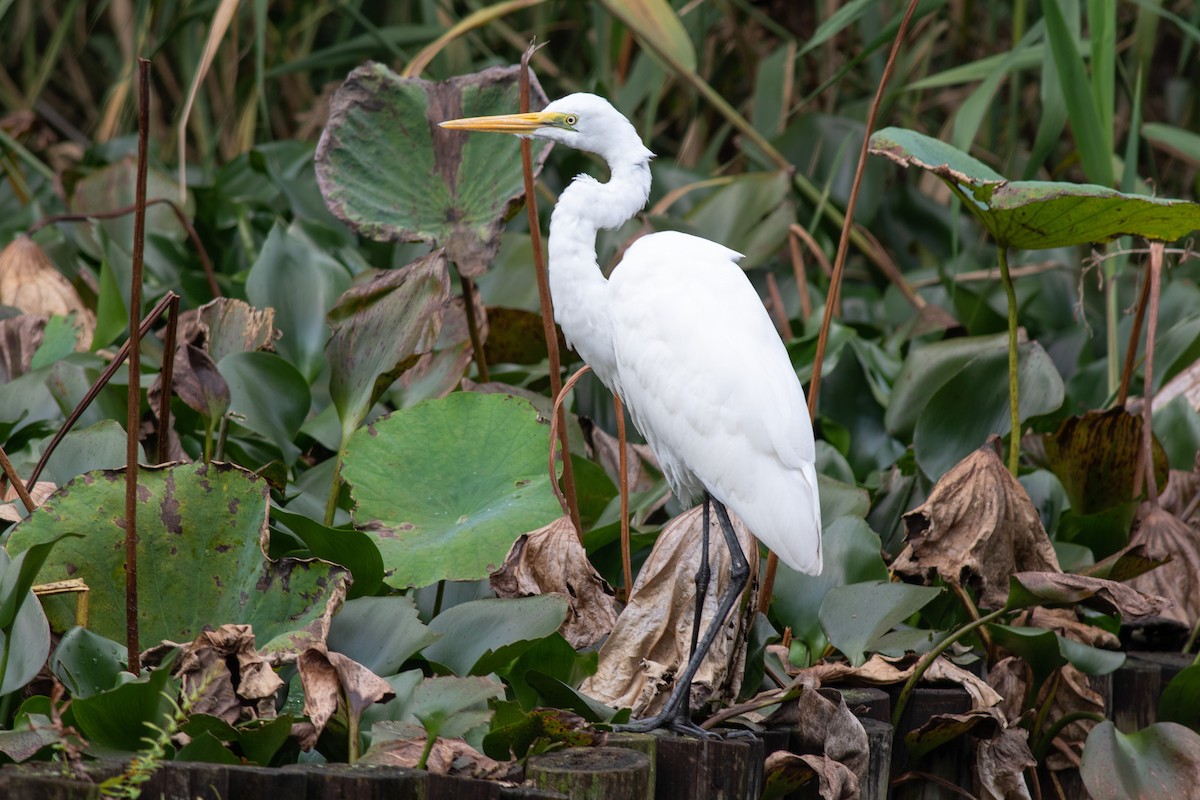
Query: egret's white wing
x=709 y=384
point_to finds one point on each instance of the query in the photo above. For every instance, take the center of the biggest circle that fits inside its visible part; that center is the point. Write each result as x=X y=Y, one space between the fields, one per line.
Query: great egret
x=679 y=333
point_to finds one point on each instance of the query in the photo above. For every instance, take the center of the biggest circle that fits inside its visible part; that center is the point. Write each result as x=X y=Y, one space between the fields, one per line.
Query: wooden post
x=875 y=784
x=593 y=773
x=715 y=769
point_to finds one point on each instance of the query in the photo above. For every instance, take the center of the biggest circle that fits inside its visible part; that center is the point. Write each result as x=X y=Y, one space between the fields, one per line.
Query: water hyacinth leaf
x=201 y=530
x=855 y=617
x=483 y=635
x=1180 y=700
x=924 y=372
x=1046 y=651
x=25 y=633
x=269 y=397
x=87 y=663
x=446 y=486
x=378 y=326
x=973 y=404
x=450 y=706
x=117 y=719
x=301 y=282
x=1037 y=215
x=98 y=446
x=388 y=171
x=354 y=550
x=1161 y=760
x=851 y=556
x=355 y=631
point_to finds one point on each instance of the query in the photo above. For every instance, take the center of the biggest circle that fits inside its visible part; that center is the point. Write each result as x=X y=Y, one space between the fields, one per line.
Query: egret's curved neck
x=578 y=287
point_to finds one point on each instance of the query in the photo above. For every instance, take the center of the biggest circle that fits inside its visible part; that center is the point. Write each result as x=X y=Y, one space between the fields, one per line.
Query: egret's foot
x=685 y=727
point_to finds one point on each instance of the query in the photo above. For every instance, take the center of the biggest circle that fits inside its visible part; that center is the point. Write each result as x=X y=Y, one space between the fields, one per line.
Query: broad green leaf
x=388 y=170
x=925 y=370
x=446 y=487
x=1039 y=215
x=260 y=740
x=851 y=556
x=973 y=404
x=556 y=663
x=268 y=396
x=118 y=719
x=356 y=632
x=658 y=29
x=200 y=561
x=1161 y=760
x=443 y=704
x=483 y=635
x=87 y=663
x=856 y=616
x=1177 y=428
x=354 y=550
x=207 y=749
x=98 y=446
x=301 y=282
x=1180 y=700
x=378 y=326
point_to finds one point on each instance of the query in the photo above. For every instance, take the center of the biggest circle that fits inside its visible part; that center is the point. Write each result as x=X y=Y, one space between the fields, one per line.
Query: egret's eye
x=571 y=119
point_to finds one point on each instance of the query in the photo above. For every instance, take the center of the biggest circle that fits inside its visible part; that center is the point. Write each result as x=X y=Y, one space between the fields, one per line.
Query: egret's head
x=583 y=121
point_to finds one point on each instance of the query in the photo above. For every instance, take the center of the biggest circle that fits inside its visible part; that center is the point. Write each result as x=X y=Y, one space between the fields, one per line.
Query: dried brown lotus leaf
x=1059 y=588
x=328 y=676
x=653 y=634
x=551 y=560
x=1074 y=695
x=977 y=528
x=9 y=511
x=235 y=695
x=30 y=282
x=447 y=757
x=1000 y=765
x=786 y=772
x=1179 y=579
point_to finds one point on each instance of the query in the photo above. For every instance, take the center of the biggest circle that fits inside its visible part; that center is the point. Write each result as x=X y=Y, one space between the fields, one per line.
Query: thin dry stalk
x=468 y=292
x=15 y=480
x=168 y=376
x=543 y=281
x=839 y=265
x=1135 y=333
x=781 y=320
x=1156 y=263
x=94 y=390
x=555 y=429
x=134 y=407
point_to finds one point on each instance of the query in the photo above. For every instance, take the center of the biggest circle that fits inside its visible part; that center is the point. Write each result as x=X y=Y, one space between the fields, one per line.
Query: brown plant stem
x=839 y=266
x=134 y=396
x=547 y=306
x=468 y=293
x=1139 y=316
x=623 y=482
x=194 y=237
x=96 y=387
x=555 y=429
x=1156 y=263
x=15 y=480
x=168 y=376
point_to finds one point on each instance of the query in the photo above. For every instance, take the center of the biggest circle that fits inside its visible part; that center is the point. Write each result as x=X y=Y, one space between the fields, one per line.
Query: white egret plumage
x=679 y=333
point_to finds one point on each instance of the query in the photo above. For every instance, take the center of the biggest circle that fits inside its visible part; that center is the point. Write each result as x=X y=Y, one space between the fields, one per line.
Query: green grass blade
x=1094 y=152
x=1102 y=24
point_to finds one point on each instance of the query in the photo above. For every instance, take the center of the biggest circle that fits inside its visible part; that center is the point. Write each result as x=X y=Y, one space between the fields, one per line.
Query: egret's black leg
x=739 y=574
x=703 y=574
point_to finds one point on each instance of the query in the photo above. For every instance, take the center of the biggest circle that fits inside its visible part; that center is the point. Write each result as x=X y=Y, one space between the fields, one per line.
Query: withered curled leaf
x=976 y=529
x=652 y=636
x=328 y=676
x=551 y=559
x=784 y=773
x=1000 y=763
x=1179 y=579
x=29 y=281
x=1058 y=588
